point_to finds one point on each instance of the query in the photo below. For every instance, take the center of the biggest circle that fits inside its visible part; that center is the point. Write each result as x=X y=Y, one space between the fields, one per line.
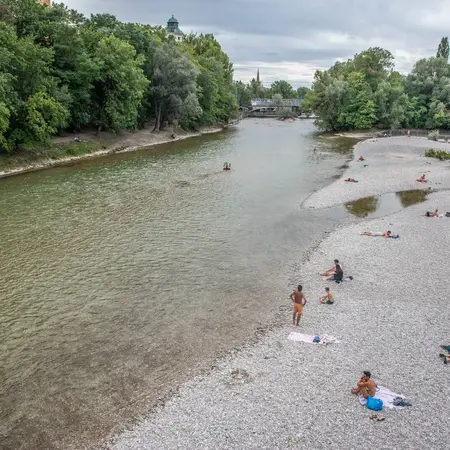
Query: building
x=173 y=30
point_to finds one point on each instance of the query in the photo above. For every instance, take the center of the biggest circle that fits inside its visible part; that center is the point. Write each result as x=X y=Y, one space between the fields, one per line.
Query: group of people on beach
x=336 y=273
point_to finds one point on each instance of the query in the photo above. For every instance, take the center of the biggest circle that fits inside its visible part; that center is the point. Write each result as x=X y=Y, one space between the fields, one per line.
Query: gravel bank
x=391 y=319
x=394 y=164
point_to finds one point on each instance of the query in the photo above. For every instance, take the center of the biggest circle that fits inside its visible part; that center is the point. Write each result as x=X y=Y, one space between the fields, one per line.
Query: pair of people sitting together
x=336 y=273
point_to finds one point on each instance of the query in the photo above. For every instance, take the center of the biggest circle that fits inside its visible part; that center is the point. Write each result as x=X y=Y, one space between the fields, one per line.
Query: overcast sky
x=290 y=39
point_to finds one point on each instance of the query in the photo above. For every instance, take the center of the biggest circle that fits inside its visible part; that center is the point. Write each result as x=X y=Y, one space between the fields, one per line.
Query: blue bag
x=375 y=404
x=316 y=339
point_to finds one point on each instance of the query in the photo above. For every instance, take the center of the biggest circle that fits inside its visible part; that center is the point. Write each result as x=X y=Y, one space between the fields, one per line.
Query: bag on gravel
x=375 y=404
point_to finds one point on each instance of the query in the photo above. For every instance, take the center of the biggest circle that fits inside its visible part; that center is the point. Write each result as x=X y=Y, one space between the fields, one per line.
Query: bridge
x=271 y=103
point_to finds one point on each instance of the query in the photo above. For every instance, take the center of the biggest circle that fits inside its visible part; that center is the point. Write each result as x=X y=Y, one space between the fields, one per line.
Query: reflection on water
x=381 y=205
x=122 y=275
x=409 y=198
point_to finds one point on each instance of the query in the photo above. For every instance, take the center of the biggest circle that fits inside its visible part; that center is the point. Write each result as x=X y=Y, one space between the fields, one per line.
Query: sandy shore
x=394 y=164
x=390 y=319
x=124 y=142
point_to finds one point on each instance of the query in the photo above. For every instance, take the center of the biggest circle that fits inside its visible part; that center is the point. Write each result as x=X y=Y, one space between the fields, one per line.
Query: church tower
x=173 y=30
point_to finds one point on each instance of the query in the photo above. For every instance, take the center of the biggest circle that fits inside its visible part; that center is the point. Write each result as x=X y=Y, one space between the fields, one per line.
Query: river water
x=122 y=275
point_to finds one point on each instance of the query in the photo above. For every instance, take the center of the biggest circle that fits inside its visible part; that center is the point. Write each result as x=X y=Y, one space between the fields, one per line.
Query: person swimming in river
x=350 y=180
x=226 y=166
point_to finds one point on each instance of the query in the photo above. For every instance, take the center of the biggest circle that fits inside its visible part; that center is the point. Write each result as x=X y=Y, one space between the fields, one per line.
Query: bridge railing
x=271 y=102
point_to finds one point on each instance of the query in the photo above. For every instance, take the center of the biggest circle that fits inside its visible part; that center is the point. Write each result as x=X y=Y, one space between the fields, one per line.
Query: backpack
x=375 y=404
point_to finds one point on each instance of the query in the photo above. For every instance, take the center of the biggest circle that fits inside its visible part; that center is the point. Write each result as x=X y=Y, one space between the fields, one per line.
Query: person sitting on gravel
x=361 y=159
x=331 y=271
x=328 y=298
x=376 y=233
x=350 y=180
x=366 y=386
x=432 y=214
x=422 y=179
x=299 y=299
x=338 y=275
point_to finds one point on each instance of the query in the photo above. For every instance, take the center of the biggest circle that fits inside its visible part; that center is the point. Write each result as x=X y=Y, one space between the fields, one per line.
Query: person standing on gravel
x=299 y=299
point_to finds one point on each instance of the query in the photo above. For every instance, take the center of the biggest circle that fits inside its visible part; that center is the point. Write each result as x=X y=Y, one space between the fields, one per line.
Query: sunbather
x=422 y=179
x=366 y=386
x=432 y=214
x=376 y=233
x=350 y=180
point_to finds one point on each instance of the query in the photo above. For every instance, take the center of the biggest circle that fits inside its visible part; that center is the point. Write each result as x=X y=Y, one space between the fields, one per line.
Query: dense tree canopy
x=60 y=70
x=367 y=92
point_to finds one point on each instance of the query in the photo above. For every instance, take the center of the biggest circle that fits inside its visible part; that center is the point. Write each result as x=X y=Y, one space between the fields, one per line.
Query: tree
x=302 y=92
x=443 y=49
x=119 y=86
x=173 y=78
x=282 y=87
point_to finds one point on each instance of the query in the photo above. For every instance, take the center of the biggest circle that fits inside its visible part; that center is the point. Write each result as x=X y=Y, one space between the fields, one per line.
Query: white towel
x=386 y=396
x=309 y=338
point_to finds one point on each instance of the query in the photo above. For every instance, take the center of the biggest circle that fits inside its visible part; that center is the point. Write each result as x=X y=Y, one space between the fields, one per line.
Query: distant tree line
x=62 y=71
x=366 y=92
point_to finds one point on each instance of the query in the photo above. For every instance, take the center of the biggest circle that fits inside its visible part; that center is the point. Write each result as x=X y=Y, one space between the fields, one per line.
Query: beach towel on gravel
x=386 y=396
x=309 y=338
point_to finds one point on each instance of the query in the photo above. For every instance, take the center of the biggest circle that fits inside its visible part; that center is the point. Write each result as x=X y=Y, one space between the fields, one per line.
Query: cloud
x=289 y=39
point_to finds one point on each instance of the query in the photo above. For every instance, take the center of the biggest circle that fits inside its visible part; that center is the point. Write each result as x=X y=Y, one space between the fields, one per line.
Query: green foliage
x=439 y=154
x=285 y=113
x=433 y=135
x=366 y=92
x=283 y=88
x=443 y=49
x=61 y=70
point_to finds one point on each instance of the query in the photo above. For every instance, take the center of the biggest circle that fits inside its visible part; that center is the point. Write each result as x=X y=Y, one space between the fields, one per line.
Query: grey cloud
x=302 y=33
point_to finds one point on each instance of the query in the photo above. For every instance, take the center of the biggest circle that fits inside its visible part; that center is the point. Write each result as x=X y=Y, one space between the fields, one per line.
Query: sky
x=291 y=39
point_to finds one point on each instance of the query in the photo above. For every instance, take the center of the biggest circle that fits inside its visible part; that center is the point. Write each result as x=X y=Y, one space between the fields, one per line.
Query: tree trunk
x=157 y=117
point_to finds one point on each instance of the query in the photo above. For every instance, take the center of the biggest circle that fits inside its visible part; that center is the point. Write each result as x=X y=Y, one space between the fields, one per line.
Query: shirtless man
x=365 y=386
x=327 y=298
x=299 y=299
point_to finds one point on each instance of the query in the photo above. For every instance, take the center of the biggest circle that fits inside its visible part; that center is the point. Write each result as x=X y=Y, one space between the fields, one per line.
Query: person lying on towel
x=376 y=233
x=366 y=386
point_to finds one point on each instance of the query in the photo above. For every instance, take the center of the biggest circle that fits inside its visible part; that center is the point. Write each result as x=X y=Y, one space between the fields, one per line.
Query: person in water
x=327 y=298
x=361 y=159
x=432 y=214
x=376 y=233
x=299 y=299
x=366 y=386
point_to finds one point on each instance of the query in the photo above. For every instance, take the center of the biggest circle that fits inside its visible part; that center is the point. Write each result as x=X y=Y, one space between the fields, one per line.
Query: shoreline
x=122 y=143
x=381 y=326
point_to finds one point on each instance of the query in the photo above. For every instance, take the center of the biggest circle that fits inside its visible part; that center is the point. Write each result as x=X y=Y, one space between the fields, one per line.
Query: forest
x=61 y=71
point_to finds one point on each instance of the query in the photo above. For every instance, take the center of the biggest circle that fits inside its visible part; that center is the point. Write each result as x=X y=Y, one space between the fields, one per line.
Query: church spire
x=257 y=76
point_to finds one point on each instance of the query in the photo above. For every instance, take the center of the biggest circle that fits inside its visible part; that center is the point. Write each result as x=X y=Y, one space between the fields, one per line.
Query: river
x=123 y=275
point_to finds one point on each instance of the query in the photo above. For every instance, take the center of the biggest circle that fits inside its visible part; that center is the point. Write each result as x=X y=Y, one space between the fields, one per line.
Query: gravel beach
x=393 y=164
x=391 y=319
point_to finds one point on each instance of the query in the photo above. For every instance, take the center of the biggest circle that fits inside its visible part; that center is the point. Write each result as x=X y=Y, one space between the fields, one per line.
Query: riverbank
x=390 y=165
x=64 y=150
x=390 y=319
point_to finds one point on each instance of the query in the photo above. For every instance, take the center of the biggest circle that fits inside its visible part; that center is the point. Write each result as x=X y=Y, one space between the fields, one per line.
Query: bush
x=285 y=113
x=433 y=135
x=439 y=154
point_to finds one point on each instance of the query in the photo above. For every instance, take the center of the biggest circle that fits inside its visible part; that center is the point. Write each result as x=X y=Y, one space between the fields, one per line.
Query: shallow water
x=381 y=205
x=123 y=275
